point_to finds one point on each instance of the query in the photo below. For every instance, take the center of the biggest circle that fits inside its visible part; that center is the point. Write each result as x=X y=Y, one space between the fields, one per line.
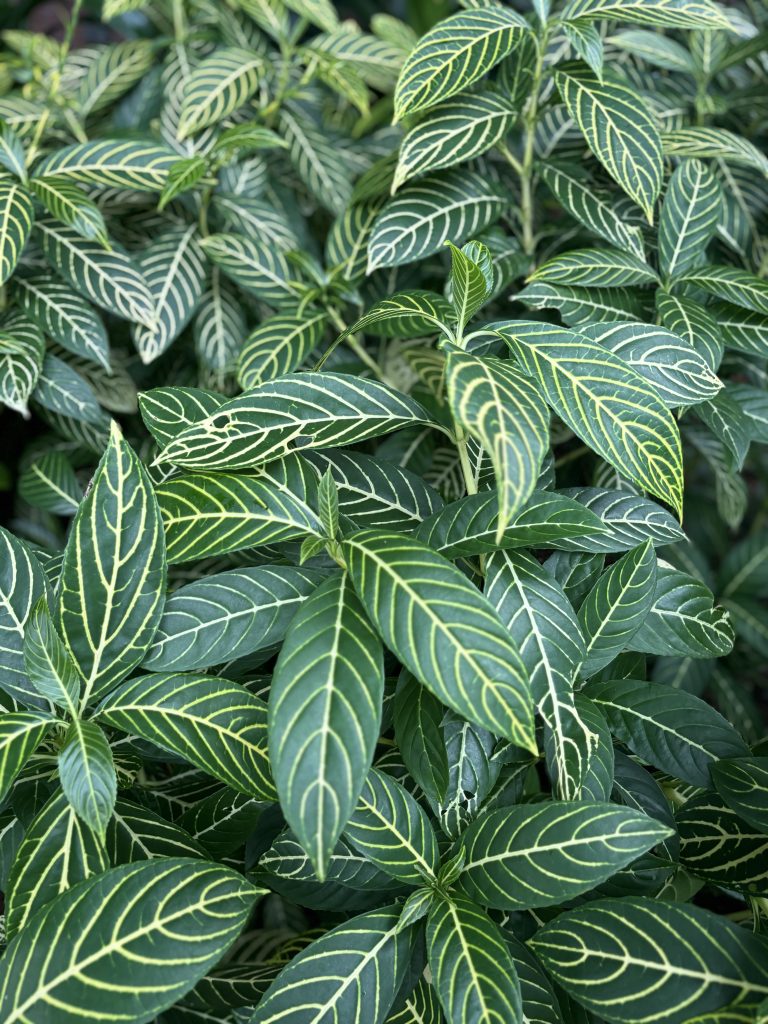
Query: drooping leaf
x=87 y=774
x=324 y=715
x=17 y=215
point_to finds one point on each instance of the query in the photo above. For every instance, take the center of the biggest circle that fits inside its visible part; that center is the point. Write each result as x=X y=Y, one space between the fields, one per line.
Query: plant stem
x=466 y=466
x=530 y=119
x=356 y=347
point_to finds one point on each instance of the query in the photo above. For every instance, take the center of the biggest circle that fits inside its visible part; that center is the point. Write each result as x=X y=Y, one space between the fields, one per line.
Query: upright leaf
x=113 y=575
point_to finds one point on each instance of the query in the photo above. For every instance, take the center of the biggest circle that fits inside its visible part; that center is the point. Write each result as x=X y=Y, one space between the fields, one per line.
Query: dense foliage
x=382 y=609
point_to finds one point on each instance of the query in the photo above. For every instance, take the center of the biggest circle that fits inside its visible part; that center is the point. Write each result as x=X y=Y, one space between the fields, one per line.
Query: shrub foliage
x=382 y=613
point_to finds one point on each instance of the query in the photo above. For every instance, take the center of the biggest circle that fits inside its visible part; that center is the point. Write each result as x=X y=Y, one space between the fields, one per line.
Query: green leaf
x=87 y=774
x=315 y=410
x=693 y=324
x=452 y=133
x=541 y=621
x=162 y=923
x=12 y=155
x=541 y=855
x=667 y=727
x=635 y=432
x=22 y=349
x=64 y=316
x=377 y=494
x=455 y=53
x=216 y=725
x=20 y=733
x=228 y=615
x=314 y=156
x=17 y=215
x=504 y=411
x=731 y=284
x=698 y=14
x=115 y=163
x=58 y=851
x=22 y=584
x=678 y=373
x=219 y=329
x=182 y=176
x=594 y=267
x=256 y=266
x=393 y=831
x=109 y=279
x=278 y=346
x=655 y=49
x=704 y=142
x=682 y=619
x=584 y=306
x=324 y=715
x=61 y=389
x=743 y=783
x=50 y=483
x=653 y=960
x=454 y=205
x=628 y=519
x=469 y=526
x=587 y=43
x=68 y=203
x=716 y=844
x=217 y=86
x=618 y=129
x=137 y=833
x=617 y=606
x=418 y=717
x=169 y=410
x=471 y=279
x=405 y=315
x=212 y=513
x=352 y=972
x=404 y=587
x=49 y=667
x=173 y=267
x=576 y=195
x=113 y=575
x=689 y=217
x=116 y=69
x=471 y=965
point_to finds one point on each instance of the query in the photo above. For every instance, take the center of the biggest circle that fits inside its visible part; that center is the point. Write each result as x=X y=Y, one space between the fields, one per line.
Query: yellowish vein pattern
x=324 y=715
x=113 y=576
x=618 y=129
x=473 y=970
x=639 y=959
x=454 y=54
x=607 y=403
x=212 y=723
x=504 y=411
x=123 y=945
x=443 y=630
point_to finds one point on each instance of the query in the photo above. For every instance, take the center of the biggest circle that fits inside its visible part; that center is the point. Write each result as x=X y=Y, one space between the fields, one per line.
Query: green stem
x=356 y=347
x=530 y=119
x=466 y=466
